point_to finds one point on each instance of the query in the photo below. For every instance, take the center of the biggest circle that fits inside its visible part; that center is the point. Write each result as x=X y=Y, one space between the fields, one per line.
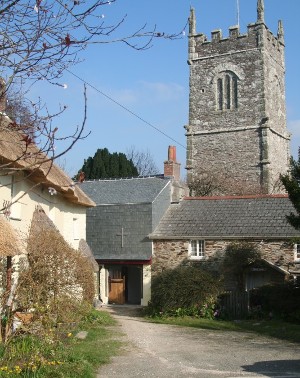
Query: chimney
x=171 y=167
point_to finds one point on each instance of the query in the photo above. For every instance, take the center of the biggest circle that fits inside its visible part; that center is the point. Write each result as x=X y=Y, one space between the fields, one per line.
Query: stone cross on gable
x=122 y=234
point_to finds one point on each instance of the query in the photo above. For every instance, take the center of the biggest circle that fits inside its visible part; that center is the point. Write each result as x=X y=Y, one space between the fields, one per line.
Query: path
x=156 y=350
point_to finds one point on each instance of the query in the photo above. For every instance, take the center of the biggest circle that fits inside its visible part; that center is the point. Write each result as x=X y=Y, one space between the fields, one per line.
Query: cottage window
x=297 y=252
x=227 y=91
x=197 y=249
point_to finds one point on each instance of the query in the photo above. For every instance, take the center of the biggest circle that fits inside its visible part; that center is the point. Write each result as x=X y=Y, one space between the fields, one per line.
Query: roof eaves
x=278 y=268
x=123 y=204
x=222 y=237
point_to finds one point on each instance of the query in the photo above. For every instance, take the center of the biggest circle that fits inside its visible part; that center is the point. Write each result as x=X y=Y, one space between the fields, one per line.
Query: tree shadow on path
x=275 y=368
x=132 y=311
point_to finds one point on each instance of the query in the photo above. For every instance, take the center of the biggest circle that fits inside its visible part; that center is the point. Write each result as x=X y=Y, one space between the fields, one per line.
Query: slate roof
x=124 y=191
x=227 y=217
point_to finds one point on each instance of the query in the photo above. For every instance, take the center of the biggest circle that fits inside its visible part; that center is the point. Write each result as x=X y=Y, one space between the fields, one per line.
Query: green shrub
x=281 y=300
x=59 y=353
x=238 y=256
x=184 y=291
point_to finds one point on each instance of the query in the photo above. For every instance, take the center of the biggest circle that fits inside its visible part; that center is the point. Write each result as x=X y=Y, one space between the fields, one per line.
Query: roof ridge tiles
x=250 y=196
x=125 y=178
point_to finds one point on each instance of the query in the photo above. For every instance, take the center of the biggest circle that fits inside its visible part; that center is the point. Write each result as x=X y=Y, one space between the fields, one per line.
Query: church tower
x=237 y=136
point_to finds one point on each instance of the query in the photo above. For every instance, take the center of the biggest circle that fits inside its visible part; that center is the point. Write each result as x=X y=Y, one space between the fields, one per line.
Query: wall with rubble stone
x=248 y=141
x=169 y=254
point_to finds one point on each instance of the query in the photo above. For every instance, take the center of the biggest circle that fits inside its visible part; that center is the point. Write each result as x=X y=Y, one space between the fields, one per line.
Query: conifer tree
x=108 y=165
x=291 y=182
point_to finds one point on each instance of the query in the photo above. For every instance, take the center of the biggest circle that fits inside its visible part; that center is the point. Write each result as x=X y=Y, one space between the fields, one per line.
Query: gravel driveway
x=156 y=350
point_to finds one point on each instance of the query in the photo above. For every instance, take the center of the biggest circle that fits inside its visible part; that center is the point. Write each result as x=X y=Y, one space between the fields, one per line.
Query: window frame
x=200 y=249
x=227 y=89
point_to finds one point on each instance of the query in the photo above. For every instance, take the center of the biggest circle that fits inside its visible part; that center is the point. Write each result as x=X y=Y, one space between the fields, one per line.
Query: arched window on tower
x=220 y=94
x=227 y=91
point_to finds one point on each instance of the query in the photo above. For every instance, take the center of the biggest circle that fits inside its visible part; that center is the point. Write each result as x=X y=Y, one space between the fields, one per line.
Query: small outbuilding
x=198 y=229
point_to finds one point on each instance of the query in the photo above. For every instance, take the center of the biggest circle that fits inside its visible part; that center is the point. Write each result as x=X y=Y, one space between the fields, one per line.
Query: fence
x=235 y=304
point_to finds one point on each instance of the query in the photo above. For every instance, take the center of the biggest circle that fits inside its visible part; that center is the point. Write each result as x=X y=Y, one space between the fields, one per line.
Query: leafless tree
x=40 y=40
x=216 y=183
x=143 y=161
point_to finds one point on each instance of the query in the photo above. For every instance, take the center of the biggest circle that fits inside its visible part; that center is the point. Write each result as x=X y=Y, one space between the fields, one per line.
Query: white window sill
x=197 y=258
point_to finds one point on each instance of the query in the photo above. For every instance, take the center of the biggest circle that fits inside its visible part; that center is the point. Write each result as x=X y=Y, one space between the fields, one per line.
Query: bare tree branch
x=143 y=161
x=41 y=38
x=209 y=183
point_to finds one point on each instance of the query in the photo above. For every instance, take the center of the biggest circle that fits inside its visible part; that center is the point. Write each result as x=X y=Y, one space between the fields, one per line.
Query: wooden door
x=117 y=290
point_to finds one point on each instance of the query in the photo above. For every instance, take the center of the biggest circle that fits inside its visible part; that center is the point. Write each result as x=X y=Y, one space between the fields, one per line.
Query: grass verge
x=30 y=356
x=273 y=328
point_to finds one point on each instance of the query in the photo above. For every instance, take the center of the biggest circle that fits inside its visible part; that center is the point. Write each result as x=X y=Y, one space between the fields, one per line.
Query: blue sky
x=153 y=84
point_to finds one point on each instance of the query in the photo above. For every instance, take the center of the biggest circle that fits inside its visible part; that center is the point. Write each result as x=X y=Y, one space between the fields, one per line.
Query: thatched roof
x=42 y=225
x=14 y=153
x=10 y=242
x=87 y=252
x=41 y=222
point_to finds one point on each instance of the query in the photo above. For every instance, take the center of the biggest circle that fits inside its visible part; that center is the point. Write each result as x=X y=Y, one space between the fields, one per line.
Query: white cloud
x=147 y=93
x=162 y=91
x=125 y=96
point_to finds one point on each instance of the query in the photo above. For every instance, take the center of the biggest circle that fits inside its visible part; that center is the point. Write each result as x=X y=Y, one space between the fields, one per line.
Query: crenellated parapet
x=258 y=35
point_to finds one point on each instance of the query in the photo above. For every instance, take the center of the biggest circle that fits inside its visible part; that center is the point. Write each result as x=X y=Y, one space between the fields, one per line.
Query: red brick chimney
x=171 y=167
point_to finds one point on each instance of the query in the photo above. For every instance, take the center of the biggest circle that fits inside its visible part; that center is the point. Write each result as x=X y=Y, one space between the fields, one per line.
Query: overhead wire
x=125 y=108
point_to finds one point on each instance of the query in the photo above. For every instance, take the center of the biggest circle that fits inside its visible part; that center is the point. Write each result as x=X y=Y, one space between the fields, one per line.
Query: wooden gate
x=235 y=304
x=116 y=290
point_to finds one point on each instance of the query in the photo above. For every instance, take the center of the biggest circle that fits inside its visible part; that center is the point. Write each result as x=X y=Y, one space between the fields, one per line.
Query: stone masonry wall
x=274 y=82
x=278 y=153
x=171 y=254
x=239 y=140
x=227 y=156
x=279 y=158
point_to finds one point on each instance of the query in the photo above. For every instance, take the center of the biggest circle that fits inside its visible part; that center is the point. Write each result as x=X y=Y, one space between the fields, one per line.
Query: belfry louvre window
x=227 y=91
x=197 y=249
x=297 y=252
x=220 y=94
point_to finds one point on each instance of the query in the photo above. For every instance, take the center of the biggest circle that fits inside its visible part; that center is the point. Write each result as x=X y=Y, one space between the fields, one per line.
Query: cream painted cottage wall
x=68 y=217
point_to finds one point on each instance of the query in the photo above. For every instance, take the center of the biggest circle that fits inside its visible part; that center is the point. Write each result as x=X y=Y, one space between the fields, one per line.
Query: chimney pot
x=171 y=167
x=172 y=153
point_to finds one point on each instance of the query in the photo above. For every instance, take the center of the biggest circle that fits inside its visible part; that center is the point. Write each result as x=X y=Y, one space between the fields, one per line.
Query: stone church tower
x=237 y=136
